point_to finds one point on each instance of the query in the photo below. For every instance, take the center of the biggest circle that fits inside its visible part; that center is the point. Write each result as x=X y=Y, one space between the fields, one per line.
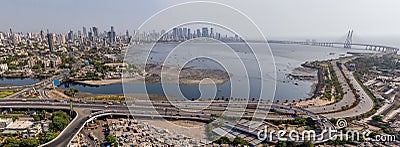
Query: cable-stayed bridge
x=348 y=43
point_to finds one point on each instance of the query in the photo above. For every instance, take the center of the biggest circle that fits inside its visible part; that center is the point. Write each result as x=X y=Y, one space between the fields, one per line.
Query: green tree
x=291 y=144
x=377 y=118
x=110 y=138
x=239 y=141
x=223 y=140
x=29 y=142
x=71 y=92
x=45 y=137
x=58 y=124
x=15 y=118
x=61 y=114
x=281 y=144
x=307 y=143
x=60 y=120
x=11 y=142
x=43 y=114
x=36 y=117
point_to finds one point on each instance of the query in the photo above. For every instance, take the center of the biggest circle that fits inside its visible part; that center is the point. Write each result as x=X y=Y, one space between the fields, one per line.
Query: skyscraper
x=90 y=36
x=50 y=41
x=109 y=35
x=175 y=33
x=180 y=33
x=84 y=31
x=185 y=34
x=198 y=33
x=211 y=32
x=163 y=34
x=188 y=34
x=42 y=35
x=95 y=31
x=71 y=36
x=112 y=34
x=205 y=32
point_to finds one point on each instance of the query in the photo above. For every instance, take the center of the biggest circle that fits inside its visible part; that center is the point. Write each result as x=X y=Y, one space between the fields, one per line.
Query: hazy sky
x=276 y=18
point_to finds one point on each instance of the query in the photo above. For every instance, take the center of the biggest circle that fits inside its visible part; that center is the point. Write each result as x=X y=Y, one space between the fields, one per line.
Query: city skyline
x=62 y=16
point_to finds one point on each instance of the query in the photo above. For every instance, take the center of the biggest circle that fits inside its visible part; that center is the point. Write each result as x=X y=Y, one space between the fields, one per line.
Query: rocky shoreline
x=320 y=78
x=188 y=76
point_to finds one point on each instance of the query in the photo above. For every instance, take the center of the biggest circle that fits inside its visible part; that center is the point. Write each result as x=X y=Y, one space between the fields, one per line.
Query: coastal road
x=347 y=100
x=365 y=105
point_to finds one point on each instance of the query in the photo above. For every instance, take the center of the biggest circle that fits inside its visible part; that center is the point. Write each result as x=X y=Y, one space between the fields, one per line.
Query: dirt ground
x=195 y=130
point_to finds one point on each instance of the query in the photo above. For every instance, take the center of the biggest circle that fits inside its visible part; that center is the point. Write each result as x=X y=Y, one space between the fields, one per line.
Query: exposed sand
x=138 y=81
x=315 y=102
x=304 y=71
x=191 y=129
x=100 y=82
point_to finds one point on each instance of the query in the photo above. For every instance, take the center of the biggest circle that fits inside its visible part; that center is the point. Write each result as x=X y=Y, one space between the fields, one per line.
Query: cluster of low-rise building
x=29 y=128
x=131 y=132
x=385 y=87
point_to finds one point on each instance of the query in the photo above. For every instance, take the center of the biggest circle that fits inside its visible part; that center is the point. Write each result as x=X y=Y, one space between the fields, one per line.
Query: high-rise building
x=204 y=30
x=163 y=34
x=174 y=33
x=185 y=34
x=84 y=31
x=95 y=31
x=42 y=34
x=218 y=36
x=90 y=36
x=211 y=32
x=188 y=34
x=180 y=34
x=198 y=33
x=111 y=35
x=71 y=36
x=50 y=42
x=62 y=38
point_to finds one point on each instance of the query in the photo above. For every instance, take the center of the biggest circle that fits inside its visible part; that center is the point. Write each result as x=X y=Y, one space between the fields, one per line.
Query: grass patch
x=6 y=93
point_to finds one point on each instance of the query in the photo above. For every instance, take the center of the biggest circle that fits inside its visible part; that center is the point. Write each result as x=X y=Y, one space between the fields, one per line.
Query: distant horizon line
x=275 y=37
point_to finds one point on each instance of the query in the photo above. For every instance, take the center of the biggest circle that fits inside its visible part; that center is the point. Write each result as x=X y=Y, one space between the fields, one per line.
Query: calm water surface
x=287 y=58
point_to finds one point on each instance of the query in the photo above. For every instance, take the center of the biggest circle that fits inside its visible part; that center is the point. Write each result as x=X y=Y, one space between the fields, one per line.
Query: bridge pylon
x=349 y=39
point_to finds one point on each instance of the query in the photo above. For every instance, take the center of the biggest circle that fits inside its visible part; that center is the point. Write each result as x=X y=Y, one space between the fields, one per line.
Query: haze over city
x=284 y=18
